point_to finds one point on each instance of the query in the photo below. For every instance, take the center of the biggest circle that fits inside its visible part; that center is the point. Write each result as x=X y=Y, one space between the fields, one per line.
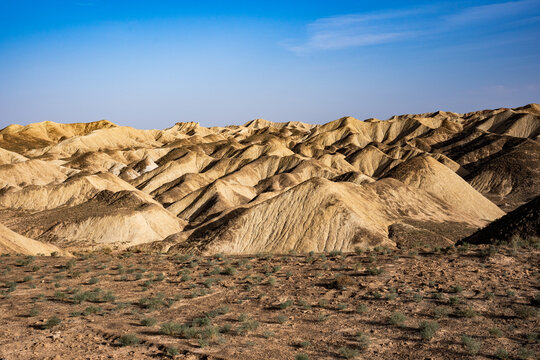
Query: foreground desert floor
x=318 y=306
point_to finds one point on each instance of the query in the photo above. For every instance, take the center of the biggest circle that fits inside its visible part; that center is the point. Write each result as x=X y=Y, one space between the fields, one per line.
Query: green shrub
x=397 y=318
x=301 y=357
x=501 y=353
x=428 y=329
x=524 y=353
x=160 y=277
x=91 y=310
x=52 y=322
x=348 y=353
x=229 y=271
x=440 y=312
x=128 y=340
x=524 y=311
x=495 y=332
x=219 y=311
x=148 y=321
x=374 y=271
x=363 y=340
x=171 y=328
x=532 y=337
x=466 y=312
x=472 y=345
x=34 y=312
x=285 y=304
x=225 y=328
x=152 y=303
x=362 y=309
x=202 y=321
x=172 y=351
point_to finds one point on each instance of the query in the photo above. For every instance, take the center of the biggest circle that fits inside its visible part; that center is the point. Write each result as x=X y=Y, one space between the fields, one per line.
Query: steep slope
x=523 y=222
x=109 y=219
x=320 y=215
x=428 y=174
x=13 y=243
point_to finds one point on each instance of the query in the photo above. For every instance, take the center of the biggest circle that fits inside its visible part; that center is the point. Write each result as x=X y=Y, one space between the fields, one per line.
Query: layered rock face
x=266 y=187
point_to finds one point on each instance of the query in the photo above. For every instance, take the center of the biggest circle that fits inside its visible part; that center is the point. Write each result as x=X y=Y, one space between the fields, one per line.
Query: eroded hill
x=267 y=187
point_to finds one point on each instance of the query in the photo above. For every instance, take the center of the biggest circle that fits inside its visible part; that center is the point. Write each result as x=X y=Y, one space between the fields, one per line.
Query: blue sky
x=149 y=64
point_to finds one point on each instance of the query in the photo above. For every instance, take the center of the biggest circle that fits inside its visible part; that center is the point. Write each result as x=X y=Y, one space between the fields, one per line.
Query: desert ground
x=468 y=301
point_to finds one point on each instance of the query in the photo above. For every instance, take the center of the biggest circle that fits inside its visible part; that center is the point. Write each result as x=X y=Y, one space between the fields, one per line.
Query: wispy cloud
x=491 y=12
x=356 y=30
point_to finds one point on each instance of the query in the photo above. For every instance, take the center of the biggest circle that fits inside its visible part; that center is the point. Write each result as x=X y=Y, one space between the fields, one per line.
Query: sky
x=150 y=64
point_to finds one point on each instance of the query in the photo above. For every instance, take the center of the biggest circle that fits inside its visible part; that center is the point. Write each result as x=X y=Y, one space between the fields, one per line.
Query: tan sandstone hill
x=13 y=243
x=412 y=180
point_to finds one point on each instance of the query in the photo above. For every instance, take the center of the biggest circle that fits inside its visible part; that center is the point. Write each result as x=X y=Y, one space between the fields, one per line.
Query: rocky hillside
x=266 y=187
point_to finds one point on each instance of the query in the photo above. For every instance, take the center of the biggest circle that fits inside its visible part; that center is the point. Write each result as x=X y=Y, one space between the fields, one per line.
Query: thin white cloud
x=356 y=30
x=491 y=12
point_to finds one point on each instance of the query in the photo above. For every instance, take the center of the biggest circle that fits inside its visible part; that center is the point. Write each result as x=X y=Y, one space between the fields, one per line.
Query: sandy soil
x=272 y=307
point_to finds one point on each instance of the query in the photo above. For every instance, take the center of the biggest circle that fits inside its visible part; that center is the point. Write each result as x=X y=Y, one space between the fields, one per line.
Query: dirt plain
x=317 y=306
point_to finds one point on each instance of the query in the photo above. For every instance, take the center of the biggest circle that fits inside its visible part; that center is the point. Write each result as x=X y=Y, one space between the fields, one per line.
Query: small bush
x=466 y=312
x=285 y=304
x=229 y=271
x=361 y=309
x=148 y=322
x=34 y=312
x=495 y=332
x=524 y=312
x=348 y=353
x=524 y=353
x=128 y=340
x=171 y=328
x=502 y=354
x=172 y=351
x=363 y=341
x=52 y=322
x=428 y=329
x=202 y=321
x=397 y=318
x=322 y=317
x=160 y=277
x=532 y=337
x=440 y=312
x=472 y=345
x=374 y=271
x=453 y=301
x=91 y=310
x=301 y=357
